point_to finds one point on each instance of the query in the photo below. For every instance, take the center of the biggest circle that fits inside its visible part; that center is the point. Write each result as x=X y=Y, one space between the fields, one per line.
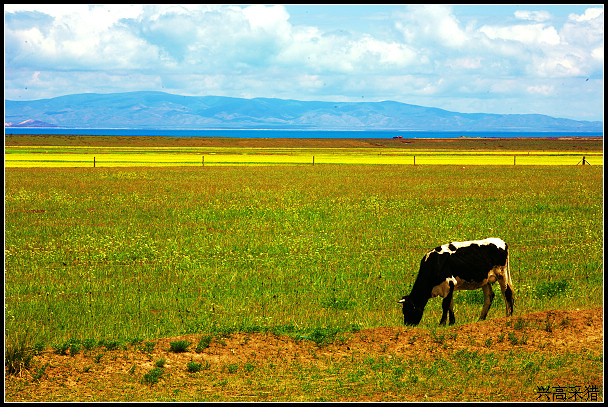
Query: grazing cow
x=460 y=266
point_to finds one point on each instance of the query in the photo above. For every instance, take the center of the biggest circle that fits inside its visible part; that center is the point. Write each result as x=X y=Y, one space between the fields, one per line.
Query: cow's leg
x=507 y=293
x=488 y=296
x=452 y=317
x=447 y=306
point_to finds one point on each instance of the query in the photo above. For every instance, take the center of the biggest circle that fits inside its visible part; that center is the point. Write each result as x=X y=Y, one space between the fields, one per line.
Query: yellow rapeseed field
x=72 y=156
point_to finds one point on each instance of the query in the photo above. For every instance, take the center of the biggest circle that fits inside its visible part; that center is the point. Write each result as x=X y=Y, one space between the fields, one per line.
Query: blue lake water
x=306 y=134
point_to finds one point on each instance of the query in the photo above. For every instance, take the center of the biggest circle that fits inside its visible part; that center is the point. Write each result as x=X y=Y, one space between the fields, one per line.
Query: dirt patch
x=102 y=375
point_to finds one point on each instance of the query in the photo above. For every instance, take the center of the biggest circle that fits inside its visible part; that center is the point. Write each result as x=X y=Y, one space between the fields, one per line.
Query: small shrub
x=232 y=368
x=193 y=367
x=178 y=346
x=110 y=345
x=98 y=357
x=40 y=372
x=519 y=324
x=148 y=347
x=160 y=362
x=62 y=349
x=88 y=344
x=136 y=341
x=74 y=347
x=323 y=336
x=517 y=341
x=153 y=376
x=203 y=343
x=249 y=367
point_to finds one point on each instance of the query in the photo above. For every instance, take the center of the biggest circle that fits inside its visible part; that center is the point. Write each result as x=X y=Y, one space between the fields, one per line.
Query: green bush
x=178 y=346
x=193 y=367
x=203 y=343
x=153 y=376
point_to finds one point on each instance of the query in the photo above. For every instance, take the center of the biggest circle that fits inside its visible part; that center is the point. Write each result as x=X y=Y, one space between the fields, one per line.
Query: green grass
x=153 y=252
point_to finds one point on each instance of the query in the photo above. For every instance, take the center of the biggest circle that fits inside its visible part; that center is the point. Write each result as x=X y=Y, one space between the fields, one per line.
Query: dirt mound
x=116 y=375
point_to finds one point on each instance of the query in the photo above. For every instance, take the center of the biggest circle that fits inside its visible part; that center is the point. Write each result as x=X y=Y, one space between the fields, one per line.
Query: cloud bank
x=428 y=55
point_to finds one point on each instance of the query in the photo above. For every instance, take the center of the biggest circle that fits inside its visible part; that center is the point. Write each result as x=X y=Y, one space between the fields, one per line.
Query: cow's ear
x=402 y=300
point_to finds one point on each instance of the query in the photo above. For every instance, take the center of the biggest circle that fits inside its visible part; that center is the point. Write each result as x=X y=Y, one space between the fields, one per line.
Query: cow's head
x=411 y=314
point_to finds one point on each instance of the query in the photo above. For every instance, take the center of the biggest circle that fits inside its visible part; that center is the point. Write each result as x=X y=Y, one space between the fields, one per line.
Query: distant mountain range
x=29 y=123
x=159 y=110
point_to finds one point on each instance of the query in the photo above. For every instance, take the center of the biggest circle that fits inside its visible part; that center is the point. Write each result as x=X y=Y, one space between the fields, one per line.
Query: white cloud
x=590 y=14
x=538 y=16
x=598 y=54
x=435 y=23
x=273 y=18
x=541 y=89
x=418 y=53
x=465 y=63
x=529 y=33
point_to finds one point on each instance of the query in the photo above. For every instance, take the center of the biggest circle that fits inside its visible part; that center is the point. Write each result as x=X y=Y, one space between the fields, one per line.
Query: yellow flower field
x=43 y=156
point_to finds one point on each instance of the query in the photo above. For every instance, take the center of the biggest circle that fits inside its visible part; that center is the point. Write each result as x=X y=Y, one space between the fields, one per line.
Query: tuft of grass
x=40 y=372
x=153 y=376
x=98 y=357
x=324 y=336
x=148 y=346
x=178 y=346
x=193 y=367
x=517 y=341
x=203 y=343
x=89 y=344
x=231 y=368
x=61 y=349
x=109 y=345
x=551 y=289
x=19 y=352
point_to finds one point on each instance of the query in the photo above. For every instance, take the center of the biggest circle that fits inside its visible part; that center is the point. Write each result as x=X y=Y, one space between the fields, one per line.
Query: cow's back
x=470 y=261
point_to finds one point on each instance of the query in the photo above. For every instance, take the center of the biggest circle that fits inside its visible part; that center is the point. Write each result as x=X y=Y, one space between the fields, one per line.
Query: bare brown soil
x=282 y=368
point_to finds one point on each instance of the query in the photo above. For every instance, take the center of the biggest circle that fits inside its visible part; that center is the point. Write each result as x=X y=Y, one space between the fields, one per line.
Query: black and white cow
x=460 y=266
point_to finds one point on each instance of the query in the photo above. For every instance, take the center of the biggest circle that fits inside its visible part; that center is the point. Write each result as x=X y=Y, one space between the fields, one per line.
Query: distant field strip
x=53 y=156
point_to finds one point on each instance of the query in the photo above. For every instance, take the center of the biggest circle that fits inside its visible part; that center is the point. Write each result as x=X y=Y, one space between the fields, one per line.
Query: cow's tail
x=509 y=289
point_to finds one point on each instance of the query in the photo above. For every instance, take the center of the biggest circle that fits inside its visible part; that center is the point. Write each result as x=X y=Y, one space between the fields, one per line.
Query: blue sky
x=546 y=59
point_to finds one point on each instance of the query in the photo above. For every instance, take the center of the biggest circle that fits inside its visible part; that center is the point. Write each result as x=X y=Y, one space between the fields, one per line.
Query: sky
x=543 y=59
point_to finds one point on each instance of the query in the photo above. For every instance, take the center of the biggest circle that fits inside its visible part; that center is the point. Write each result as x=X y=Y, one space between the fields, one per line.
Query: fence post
x=583 y=161
x=93 y=162
x=313 y=160
x=203 y=161
x=514 y=159
x=414 y=160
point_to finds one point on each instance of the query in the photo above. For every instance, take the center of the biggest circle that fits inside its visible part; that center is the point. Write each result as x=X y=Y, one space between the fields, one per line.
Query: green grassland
x=161 y=251
x=117 y=253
